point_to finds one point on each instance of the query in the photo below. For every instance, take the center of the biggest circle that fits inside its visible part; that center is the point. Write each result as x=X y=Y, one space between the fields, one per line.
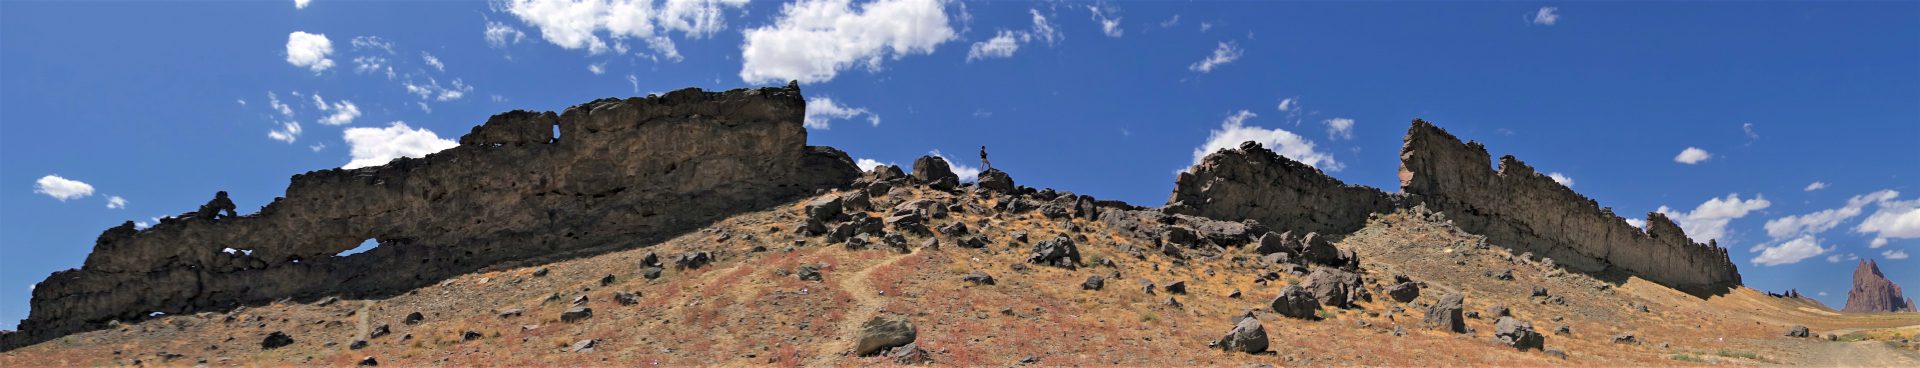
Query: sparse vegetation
x=1687 y=358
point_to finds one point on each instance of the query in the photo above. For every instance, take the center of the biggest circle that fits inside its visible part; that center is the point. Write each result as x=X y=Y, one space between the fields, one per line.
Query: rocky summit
x=699 y=228
x=1873 y=293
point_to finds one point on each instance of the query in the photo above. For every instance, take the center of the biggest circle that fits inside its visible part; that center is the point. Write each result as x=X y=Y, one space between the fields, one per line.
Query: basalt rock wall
x=1522 y=209
x=1513 y=206
x=620 y=173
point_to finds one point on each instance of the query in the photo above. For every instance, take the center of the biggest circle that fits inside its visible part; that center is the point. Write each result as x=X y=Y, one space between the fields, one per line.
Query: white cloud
x=1637 y=223
x=377 y=146
x=371 y=64
x=433 y=61
x=288 y=132
x=1818 y=222
x=1837 y=257
x=1005 y=43
x=62 y=189
x=867 y=164
x=1289 y=104
x=1751 y=135
x=372 y=43
x=1708 y=221
x=822 y=111
x=1816 y=186
x=1226 y=53
x=1547 y=15
x=500 y=35
x=242 y=101
x=813 y=40
x=343 y=111
x=1204 y=26
x=1109 y=25
x=1234 y=131
x=966 y=173
x=274 y=102
x=1892 y=220
x=635 y=81
x=1894 y=254
x=433 y=90
x=1169 y=23
x=1692 y=155
x=115 y=202
x=1565 y=180
x=1792 y=251
x=1001 y=46
x=301 y=4
x=1877 y=243
x=574 y=25
x=597 y=69
x=308 y=50
x=1339 y=128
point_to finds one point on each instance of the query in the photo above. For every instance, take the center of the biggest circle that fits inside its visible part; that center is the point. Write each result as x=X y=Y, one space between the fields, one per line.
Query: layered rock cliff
x=1514 y=207
x=1873 y=293
x=620 y=174
x=1522 y=209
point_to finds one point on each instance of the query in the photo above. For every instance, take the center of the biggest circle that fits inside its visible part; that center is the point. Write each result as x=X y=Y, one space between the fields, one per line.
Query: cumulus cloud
x=308 y=50
x=1818 y=222
x=1109 y=24
x=1339 y=128
x=1006 y=42
x=1816 y=186
x=1892 y=220
x=813 y=40
x=1708 y=221
x=1226 y=53
x=61 y=188
x=1789 y=252
x=500 y=35
x=301 y=4
x=822 y=111
x=1546 y=16
x=1894 y=254
x=1563 y=179
x=1637 y=223
x=377 y=146
x=287 y=132
x=1234 y=131
x=573 y=24
x=1692 y=155
x=115 y=202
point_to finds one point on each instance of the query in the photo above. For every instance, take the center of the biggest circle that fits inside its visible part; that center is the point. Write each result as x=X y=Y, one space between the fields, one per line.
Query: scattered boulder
x=884 y=332
x=1404 y=292
x=413 y=318
x=1499 y=310
x=470 y=335
x=1094 y=282
x=933 y=171
x=996 y=180
x=1502 y=275
x=909 y=354
x=692 y=260
x=1799 y=331
x=650 y=260
x=1296 y=302
x=1518 y=334
x=576 y=314
x=1247 y=336
x=509 y=313
x=369 y=361
x=1626 y=338
x=975 y=242
x=1147 y=285
x=1445 y=315
x=275 y=340
x=540 y=272
x=1539 y=292
x=626 y=298
x=1563 y=330
x=1058 y=251
x=583 y=346
x=809 y=272
x=651 y=273
x=357 y=345
x=604 y=281
x=978 y=278
x=378 y=331
x=1176 y=287
x=1335 y=287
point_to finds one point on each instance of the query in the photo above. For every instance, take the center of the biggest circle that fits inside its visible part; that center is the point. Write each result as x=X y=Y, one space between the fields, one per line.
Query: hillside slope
x=750 y=306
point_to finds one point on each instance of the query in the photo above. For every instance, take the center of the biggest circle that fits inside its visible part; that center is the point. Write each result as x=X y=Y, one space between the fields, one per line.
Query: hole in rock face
x=556 y=132
x=363 y=248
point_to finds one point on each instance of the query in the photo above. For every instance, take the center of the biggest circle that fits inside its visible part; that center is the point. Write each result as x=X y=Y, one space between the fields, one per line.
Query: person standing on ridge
x=983 y=158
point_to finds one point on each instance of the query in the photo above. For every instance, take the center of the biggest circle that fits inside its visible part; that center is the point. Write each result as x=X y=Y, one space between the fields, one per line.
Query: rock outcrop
x=1514 y=207
x=1527 y=211
x=619 y=174
x=1873 y=293
x=1252 y=182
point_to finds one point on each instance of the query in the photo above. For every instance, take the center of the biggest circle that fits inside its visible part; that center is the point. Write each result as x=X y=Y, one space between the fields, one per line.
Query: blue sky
x=129 y=111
